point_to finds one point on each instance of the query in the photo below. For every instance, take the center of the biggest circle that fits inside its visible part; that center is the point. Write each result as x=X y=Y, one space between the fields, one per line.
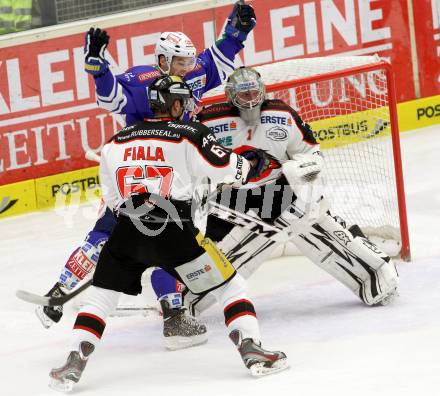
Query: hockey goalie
x=287 y=197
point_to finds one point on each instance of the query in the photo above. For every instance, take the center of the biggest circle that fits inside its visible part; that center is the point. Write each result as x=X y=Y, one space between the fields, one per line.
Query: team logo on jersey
x=6 y=204
x=128 y=76
x=226 y=127
x=275 y=119
x=197 y=82
x=276 y=133
x=149 y=75
x=225 y=141
x=194 y=275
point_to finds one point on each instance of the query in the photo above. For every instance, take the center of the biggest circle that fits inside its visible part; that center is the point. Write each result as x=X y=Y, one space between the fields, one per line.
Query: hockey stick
x=48 y=300
x=254 y=224
x=251 y=222
x=61 y=300
x=92 y=156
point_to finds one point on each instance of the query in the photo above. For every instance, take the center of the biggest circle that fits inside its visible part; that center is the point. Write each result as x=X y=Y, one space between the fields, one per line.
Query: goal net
x=350 y=104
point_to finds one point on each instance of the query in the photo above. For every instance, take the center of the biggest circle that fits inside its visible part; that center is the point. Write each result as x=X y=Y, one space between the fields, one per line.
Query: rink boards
x=75 y=187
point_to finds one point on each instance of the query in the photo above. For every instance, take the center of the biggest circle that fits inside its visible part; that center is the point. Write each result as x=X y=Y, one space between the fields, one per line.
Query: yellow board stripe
x=352 y=128
x=78 y=186
x=17 y=198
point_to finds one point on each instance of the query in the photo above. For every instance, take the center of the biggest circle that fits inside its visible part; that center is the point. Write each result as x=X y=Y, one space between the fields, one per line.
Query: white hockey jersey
x=280 y=132
x=164 y=157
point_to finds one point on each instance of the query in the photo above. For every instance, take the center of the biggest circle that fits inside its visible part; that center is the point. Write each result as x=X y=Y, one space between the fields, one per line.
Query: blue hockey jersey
x=127 y=93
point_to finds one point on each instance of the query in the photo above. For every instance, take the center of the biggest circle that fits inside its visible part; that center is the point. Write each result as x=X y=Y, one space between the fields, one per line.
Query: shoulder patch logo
x=276 y=133
x=149 y=75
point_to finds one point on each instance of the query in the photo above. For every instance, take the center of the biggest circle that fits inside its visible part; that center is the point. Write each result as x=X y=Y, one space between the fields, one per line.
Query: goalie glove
x=241 y=21
x=303 y=168
x=94 y=49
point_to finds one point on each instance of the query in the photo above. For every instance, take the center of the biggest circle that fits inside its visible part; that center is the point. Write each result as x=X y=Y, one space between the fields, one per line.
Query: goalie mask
x=175 y=44
x=245 y=90
x=165 y=90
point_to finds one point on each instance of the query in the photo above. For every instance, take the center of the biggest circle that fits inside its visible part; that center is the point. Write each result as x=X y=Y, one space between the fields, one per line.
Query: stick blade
x=32 y=298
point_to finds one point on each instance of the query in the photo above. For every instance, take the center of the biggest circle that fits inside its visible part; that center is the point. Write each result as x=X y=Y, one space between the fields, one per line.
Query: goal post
x=350 y=103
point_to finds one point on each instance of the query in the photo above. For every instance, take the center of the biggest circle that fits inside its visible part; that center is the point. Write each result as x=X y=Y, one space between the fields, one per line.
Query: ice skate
x=65 y=377
x=180 y=329
x=258 y=360
x=50 y=315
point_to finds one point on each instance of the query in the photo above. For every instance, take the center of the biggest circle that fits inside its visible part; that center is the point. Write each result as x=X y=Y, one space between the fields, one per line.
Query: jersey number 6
x=155 y=179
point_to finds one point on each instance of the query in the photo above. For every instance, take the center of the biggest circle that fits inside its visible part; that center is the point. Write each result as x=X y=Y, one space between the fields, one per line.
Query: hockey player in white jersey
x=148 y=173
x=250 y=121
x=126 y=94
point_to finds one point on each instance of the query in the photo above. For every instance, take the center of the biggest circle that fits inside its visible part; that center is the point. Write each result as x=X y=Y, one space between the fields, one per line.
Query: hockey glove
x=241 y=21
x=94 y=48
x=303 y=168
x=260 y=161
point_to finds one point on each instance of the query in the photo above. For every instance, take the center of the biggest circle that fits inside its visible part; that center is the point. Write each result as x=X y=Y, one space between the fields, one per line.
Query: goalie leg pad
x=354 y=261
x=246 y=250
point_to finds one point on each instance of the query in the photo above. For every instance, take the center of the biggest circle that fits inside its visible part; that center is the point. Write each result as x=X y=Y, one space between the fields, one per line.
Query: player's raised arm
x=218 y=60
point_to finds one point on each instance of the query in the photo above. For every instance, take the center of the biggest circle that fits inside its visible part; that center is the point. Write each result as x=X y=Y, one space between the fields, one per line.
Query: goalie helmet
x=174 y=44
x=165 y=90
x=245 y=90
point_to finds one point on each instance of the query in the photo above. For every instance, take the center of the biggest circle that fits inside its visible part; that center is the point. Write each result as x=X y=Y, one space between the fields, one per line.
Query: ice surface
x=335 y=345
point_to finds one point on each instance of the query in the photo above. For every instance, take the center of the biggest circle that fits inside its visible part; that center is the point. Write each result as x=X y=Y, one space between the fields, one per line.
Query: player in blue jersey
x=127 y=94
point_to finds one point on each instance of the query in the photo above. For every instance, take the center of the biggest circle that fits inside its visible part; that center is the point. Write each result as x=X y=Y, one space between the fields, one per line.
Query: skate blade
x=178 y=342
x=45 y=320
x=61 y=386
x=259 y=369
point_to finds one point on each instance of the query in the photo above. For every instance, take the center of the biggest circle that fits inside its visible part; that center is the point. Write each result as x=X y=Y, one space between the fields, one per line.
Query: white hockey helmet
x=174 y=44
x=246 y=91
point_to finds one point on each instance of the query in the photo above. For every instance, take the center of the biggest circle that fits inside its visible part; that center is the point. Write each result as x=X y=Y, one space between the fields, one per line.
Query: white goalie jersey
x=349 y=257
x=280 y=132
